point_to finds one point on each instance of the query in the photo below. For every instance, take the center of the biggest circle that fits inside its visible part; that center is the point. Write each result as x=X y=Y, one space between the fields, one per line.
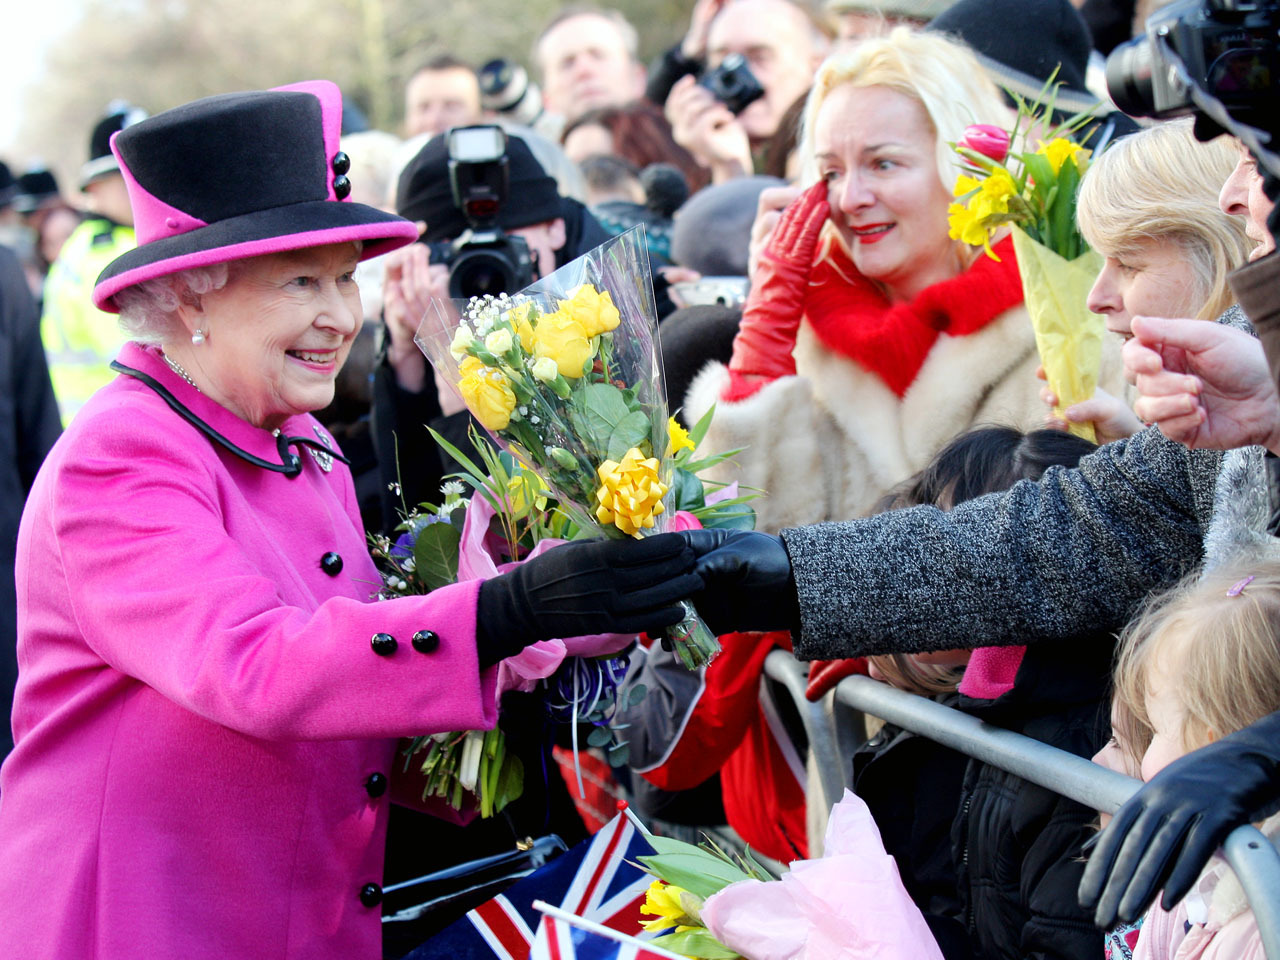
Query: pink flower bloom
x=986 y=139
x=684 y=520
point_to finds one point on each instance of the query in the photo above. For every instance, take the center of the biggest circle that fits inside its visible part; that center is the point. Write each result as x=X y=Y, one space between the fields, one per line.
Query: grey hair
x=149 y=310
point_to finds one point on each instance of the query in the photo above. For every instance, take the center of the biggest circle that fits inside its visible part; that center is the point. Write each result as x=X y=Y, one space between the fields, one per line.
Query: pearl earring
x=197 y=338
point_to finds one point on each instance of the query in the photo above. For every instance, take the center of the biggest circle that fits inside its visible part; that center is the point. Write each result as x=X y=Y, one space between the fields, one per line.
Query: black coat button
x=384 y=644
x=376 y=785
x=331 y=564
x=341 y=162
x=426 y=641
x=371 y=894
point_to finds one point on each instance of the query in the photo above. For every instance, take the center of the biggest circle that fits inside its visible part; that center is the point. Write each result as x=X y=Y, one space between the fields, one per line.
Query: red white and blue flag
x=563 y=936
x=593 y=881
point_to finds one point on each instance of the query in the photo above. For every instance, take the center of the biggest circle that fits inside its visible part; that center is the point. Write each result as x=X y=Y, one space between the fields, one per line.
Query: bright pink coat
x=199 y=708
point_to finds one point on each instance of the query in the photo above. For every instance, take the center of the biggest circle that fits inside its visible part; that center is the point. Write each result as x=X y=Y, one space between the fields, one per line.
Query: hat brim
x=278 y=230
x=1066 y=100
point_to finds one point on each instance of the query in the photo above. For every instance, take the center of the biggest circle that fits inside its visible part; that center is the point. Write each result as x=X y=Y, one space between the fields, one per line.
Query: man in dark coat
x=29 y=425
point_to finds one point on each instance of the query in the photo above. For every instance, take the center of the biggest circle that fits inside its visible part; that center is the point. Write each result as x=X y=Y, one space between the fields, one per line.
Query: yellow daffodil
x=593 y=311
x=998 y=188
x=1059 y=149
x=677 y=438
x=487 y=393
x=672 y=906
x=526 y=490
x=630 y=493
x=519 y=317
x=966 y=184
x=562 y=338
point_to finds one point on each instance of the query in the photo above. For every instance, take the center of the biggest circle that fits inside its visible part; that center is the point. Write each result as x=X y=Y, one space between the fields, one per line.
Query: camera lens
x=479 y=272
x=1129 y=77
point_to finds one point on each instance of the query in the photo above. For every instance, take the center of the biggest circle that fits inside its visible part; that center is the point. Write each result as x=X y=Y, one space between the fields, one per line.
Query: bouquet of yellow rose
x=565 y=375
x=1005 y=184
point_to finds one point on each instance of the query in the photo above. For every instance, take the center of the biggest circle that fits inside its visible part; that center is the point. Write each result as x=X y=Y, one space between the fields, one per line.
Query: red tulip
x=988 y=140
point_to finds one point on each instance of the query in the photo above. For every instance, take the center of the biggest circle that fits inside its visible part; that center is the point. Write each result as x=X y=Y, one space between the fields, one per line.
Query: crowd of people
x=213 y=395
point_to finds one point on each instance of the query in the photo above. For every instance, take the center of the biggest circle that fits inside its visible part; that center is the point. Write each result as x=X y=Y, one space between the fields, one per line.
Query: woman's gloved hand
x=763 y=349
x=1167 y=831
x=583 y=588
x=747 y=581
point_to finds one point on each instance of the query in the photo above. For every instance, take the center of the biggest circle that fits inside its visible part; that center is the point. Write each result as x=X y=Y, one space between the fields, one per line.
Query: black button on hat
x=384 y=644
x=371 y=894
x=341 y=163
x=376 y=785
x=331 y=564
x=426 y=641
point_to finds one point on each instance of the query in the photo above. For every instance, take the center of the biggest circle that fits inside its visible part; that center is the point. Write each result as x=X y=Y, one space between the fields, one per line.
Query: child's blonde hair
x=1224 y=628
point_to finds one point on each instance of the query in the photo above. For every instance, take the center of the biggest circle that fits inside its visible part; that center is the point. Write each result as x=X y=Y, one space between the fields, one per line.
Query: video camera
x=484 y=259
x=1196 y=52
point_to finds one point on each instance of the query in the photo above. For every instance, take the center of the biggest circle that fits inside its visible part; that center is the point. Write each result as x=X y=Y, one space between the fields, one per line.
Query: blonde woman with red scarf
x=870 y=338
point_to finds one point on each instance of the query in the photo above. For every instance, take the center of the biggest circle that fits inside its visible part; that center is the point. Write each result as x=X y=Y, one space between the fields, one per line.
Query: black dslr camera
x=733 y=83
x=1227 y=50
x=484 y=260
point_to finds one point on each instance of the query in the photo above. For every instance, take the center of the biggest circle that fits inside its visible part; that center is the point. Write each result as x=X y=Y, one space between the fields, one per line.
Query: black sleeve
x=35 y=410
x=409 y=462
x=665 y=70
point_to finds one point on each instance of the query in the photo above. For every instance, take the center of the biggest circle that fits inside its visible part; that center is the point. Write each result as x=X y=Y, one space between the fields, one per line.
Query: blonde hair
x=1226 y=638
x=906 y=673
x=941 y=75
x=1162 y=184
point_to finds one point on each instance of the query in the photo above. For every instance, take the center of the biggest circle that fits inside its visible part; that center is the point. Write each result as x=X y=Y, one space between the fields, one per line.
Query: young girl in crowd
x=1202 y=661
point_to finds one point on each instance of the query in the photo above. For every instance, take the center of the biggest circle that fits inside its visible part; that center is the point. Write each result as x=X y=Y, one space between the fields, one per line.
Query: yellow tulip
x=593 y=311
x=487 y=394
x=562 y=338
x=630 y=493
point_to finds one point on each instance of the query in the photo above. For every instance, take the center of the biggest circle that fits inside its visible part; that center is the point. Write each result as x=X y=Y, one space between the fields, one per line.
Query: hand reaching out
x=410 y=282
x=1204 y=384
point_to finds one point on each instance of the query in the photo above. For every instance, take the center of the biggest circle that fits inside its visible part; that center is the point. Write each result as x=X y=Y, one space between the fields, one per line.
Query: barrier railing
x=1254 y=859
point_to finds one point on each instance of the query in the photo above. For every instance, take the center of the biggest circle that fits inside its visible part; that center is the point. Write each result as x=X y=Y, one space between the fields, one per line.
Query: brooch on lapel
x=325 y=460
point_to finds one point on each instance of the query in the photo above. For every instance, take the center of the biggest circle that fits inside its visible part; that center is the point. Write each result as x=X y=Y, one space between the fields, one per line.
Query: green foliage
x=435 y=555
x=697 y=943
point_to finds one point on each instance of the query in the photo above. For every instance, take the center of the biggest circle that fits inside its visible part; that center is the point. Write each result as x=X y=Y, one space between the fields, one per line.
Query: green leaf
x=598 y=409
x=688 y=491
x=637 y=693
x=701 y=873
x=599 y=737
x=435 y=555
x=510 y=782
x=739 y=517
x=619 y=754
x=700 y=428
x=469 y=465
x=631 y=431
x=699 y=944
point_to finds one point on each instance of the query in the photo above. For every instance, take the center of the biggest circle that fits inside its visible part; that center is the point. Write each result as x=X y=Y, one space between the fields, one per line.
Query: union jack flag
x=562 y=936
x=593 y=881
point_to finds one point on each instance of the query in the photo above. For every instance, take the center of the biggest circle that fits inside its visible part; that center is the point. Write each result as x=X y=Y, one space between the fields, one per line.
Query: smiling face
x=875 y=147
x=277 y=334
x=1153 y=278
x=1242 y=195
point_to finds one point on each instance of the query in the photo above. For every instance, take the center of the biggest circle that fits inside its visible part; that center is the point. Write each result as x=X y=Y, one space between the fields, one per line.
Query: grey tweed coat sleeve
x=1062 y=557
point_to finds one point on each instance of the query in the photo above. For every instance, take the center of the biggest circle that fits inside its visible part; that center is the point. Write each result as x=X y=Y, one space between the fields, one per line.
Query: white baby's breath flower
x=453 y=488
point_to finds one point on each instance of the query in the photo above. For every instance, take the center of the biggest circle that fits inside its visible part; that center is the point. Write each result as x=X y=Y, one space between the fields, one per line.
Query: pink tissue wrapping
x=848 y=904
x=991 y=671
x=541 y=659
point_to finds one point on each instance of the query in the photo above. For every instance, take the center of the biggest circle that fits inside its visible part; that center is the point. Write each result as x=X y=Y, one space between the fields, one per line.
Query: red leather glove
x=766 y=340
x=825 y=674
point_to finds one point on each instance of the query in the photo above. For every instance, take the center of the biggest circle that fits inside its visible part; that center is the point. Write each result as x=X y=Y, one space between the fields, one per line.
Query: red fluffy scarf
x=853 y=317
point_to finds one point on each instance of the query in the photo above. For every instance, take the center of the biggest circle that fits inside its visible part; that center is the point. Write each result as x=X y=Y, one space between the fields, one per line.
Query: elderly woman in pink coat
x=208 y=701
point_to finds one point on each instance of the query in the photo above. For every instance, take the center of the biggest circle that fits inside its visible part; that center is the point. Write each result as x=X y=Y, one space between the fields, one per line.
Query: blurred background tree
x=160 y=53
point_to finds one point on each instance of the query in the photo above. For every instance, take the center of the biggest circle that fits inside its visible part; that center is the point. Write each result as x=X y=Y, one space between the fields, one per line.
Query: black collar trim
x=291 y=463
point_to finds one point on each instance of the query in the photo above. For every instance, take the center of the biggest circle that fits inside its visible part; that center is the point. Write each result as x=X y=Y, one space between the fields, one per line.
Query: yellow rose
x=630 y=493
x=487 y=394
x=562 y=338
x=677 y=438
x=519 y=317
x=593 y=311
x=462 y=339
x=1059 y=149
x=544 y=369
x=498 y=342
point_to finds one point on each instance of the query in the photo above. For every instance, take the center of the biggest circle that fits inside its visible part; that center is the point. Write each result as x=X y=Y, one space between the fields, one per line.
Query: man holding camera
x=736 y=45
x=532 y=231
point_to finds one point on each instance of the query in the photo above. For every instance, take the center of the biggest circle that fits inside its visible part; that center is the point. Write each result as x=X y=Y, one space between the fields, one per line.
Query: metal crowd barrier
x=1252 y=856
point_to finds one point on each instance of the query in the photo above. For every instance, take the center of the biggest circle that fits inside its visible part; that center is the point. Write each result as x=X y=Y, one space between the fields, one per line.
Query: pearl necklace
x=176 y=367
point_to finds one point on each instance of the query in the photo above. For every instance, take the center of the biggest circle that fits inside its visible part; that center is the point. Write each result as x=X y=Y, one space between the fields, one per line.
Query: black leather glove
x=1166 y=832
x=748 y=581
x=586 y=587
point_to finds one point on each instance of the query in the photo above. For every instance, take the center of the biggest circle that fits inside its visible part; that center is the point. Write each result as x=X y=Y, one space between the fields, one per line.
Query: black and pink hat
x=240 y=175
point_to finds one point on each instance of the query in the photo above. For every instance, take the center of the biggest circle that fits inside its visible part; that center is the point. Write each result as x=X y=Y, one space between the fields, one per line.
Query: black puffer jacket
x=1018 y=848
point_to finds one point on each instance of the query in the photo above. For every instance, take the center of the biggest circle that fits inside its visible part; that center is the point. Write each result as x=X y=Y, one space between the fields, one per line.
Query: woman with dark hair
x=637 y=132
